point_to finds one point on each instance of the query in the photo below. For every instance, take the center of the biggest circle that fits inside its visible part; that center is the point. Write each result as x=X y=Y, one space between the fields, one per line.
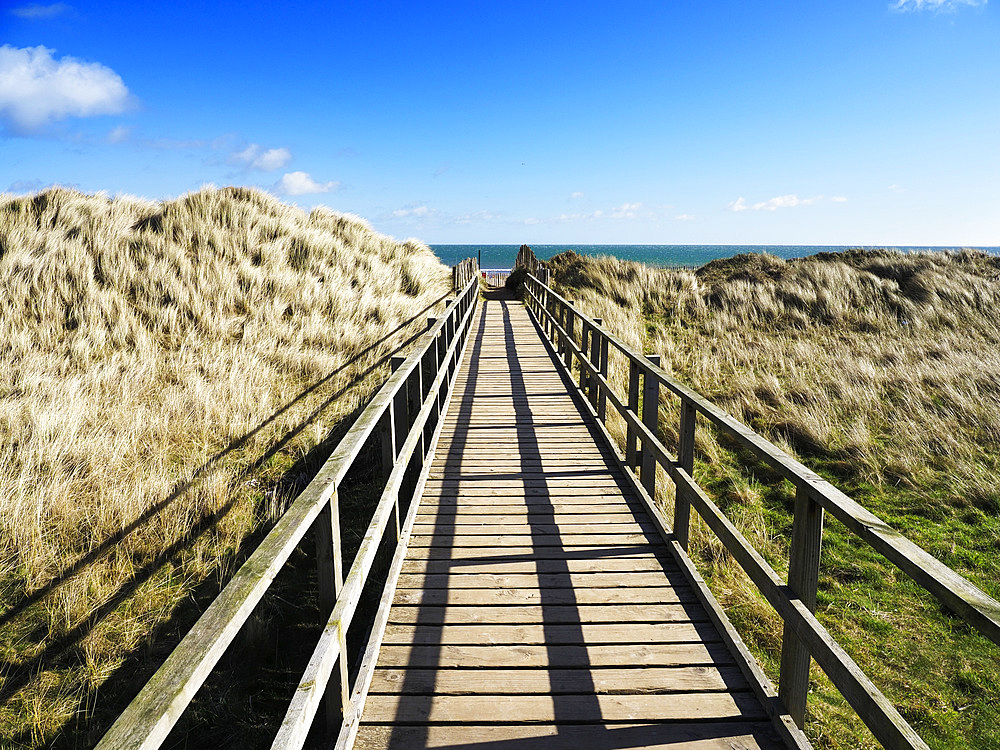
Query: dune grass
x=167 y=372
x=879 y=370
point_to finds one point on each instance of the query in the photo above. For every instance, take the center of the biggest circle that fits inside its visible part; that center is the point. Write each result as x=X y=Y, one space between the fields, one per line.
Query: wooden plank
x=557 y=681
x=573 y=591
x=612 y=569
x=528 y=540
x=443 y=527
x=668 y=632
x=558 y=614
x=490 y=555
x=549 y=655
x=521 y=514
x=568 y=708
x=731 y=735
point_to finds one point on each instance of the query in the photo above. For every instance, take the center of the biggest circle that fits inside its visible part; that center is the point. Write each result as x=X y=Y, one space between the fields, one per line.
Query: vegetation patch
x=172 y=374
x=878 y=370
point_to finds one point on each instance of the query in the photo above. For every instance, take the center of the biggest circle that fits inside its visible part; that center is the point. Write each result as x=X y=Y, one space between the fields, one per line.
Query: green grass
x=878 y=371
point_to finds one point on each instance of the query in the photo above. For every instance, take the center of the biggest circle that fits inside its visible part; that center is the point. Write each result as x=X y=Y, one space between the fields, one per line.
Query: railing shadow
x=61 y=651
x=577 y=716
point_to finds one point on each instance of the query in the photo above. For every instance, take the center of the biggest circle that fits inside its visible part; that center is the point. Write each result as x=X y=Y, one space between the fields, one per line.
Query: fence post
x=330 y=578
x=602 y=399
x=685 y=459
x=570 y=316
x=584 y=375
x=650 y=411
x=631 y=437
x=595 y=359
x=803 y=577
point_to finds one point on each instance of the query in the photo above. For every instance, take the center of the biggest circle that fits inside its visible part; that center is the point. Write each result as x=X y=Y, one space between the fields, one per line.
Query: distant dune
x=881 y=371
x=166 y=370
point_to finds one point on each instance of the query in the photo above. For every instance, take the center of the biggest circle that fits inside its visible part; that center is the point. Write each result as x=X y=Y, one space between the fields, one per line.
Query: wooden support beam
x=650 y=415
x=803 y=578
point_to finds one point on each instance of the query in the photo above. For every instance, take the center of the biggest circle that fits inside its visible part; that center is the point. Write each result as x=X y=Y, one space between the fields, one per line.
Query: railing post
x=803 y=577
x=595 y=359
x=650 y=412
x=685 y=459
x=602 y=398
x=570 y=316
x=584 y=375
x=400 y=427
x=631 y=446
x=330 y=579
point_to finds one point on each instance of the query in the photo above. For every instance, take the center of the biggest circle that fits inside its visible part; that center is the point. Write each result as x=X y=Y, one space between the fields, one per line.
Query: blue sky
x=856 y=122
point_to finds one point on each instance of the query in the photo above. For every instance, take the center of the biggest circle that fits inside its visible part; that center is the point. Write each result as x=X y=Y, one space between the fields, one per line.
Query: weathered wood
x=557 y=681
x=562 y=589
x=685 y=459
x=571 y=708
x=555 y=614
x=551 y=655
x=707 y=735
x=650 y=417
x=803 y=579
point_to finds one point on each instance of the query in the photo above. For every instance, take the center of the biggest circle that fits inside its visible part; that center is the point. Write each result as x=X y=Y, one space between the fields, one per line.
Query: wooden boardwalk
x=538 y=607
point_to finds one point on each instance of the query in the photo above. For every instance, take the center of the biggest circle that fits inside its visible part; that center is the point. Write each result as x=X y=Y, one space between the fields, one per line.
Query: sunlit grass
x=165 y=370
x=879 y=370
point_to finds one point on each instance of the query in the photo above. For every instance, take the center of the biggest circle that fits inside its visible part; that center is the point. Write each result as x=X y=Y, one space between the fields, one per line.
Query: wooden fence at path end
x=585 y=347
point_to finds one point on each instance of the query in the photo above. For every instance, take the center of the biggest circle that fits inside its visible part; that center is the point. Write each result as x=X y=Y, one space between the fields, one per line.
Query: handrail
x=402 y=409
x=584 y=341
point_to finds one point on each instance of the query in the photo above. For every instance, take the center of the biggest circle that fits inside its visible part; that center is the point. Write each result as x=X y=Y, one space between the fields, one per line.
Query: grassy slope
x=167 y=371
x=878 y=370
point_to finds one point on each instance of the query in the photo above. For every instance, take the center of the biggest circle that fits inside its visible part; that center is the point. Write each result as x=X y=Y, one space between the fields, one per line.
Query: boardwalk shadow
x=577 y=715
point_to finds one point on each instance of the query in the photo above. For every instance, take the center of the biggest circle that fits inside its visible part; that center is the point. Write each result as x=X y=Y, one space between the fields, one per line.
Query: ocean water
x=502 y=256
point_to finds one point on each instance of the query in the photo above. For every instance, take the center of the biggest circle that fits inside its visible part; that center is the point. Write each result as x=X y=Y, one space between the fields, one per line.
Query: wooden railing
x=404 y=415
x=583 y=343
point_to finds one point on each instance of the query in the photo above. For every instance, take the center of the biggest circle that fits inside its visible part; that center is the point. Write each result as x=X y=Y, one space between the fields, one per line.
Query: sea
x=668 y=256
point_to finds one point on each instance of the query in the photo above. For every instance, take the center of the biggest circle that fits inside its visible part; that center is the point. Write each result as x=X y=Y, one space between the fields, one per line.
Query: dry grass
x=880 y=371
x=164 y=370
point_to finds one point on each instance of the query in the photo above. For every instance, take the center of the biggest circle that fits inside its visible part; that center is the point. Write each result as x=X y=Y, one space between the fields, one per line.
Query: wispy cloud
x=25 y=186
x=413 y=211
x=625 y=211
x=773 y=204
x=301 y=183
x=838 y=199
x=576 y=196
x=39 y=12
x=256 y=156
x=684 y=217
x=36 y=89
x=119 y=134
x=939 y=5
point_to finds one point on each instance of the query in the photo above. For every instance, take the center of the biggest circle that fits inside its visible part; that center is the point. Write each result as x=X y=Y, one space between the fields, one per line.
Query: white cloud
x=418 y=212
x=943 y=5
x=576 y=195
x=36 y=89
x=256 y=156
x=25 y=186
x=684 y=217
x=785 y=201
x=838 y=199
x=37 y=11
x=625 y=211
x=781 y=201
x=300 y=183
x=119 y=134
